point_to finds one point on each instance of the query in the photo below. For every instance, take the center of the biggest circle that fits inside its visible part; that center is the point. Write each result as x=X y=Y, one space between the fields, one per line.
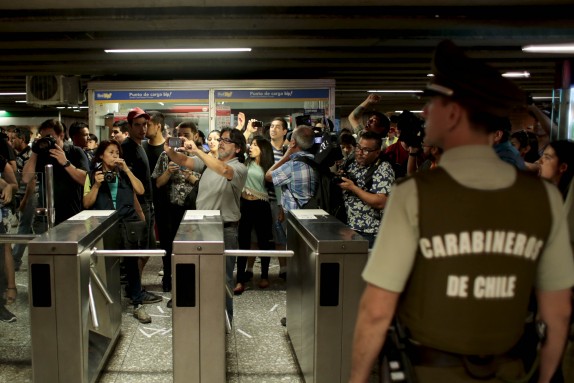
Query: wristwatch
x=68 y=163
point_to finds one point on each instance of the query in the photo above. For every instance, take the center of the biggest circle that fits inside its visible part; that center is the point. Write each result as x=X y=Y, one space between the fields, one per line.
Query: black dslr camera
x=43 y=145
x=110 y=177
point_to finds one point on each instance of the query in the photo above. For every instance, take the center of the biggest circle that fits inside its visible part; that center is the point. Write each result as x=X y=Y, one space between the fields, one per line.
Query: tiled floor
x=258 y=348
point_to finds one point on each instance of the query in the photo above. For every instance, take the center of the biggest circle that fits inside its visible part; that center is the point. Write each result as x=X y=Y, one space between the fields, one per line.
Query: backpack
x=328 y=195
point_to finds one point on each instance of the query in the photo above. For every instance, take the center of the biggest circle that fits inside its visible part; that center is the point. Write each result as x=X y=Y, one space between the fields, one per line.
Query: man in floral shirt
x=365 y=197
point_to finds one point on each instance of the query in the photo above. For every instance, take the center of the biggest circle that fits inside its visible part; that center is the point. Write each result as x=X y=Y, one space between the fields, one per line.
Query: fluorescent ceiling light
x=13 y=94
x=516 y=74
x=549 y=48
x=395 y=91
x=412 y=111
x=179 y=50
x=544 y=97
x=21 y=101
x=430 y=75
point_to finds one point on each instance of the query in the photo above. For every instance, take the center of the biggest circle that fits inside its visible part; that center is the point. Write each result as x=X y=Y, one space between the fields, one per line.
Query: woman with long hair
x=213 y=142
x=255 y=211
x=111 y=185
x=557 y=164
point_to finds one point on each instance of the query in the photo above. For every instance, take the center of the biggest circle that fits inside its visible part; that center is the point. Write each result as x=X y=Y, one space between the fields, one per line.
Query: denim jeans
x=25 y=227
x=230 y=241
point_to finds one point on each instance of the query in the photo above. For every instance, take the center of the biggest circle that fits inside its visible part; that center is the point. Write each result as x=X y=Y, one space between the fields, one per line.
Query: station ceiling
x=363 y=44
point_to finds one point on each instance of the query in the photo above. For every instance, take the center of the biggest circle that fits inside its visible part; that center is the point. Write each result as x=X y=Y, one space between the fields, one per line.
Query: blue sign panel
x=160 y=95
x=272 y=94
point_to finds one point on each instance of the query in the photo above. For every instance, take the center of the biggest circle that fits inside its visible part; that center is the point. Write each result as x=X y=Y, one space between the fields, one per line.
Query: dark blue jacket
x=124 y=198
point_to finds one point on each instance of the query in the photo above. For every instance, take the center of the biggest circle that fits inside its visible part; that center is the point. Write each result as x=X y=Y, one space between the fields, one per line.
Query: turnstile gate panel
x=198 y=277
x=59 y=311
x=323 y=291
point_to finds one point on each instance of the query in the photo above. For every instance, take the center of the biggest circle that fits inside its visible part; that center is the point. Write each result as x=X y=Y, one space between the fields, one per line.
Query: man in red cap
x=136 y=159
x=469 y=256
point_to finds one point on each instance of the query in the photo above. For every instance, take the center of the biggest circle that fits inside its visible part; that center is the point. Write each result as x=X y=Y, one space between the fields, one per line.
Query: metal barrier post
x=323 y=292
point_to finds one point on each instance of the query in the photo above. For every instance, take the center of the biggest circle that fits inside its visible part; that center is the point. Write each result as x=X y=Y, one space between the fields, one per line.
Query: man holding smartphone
x=220 y=187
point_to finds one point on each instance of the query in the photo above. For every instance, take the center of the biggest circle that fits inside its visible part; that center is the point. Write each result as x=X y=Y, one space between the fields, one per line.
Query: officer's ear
x=455 y=112
x=563 y=167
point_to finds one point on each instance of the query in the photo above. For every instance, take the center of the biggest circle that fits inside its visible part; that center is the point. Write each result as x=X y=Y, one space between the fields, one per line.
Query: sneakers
x=6 y=316
x=284 y=321
x=160 y=273
x=149 y=298
x=169 y=304
x=141 y=315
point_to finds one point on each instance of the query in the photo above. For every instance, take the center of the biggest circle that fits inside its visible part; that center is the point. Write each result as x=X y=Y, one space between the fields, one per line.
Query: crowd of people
x=255 y=173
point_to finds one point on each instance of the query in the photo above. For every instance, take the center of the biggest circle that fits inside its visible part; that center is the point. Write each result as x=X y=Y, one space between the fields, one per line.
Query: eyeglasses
x=226 y=140
x=365 y=150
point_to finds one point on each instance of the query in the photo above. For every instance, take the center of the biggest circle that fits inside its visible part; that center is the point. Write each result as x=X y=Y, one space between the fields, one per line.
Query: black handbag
x=134 y=234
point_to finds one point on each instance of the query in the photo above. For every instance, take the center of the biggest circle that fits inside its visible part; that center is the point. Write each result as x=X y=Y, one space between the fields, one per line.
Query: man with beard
x=220 y=187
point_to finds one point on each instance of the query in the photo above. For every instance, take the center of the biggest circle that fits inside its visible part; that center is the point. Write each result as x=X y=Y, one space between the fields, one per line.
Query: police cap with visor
x=472 y=82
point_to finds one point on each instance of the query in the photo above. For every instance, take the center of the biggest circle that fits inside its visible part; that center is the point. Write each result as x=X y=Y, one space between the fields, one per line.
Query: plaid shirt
x=297 y=180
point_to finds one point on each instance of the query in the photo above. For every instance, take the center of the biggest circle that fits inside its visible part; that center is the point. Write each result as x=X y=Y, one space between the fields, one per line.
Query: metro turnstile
x=324 y=286
x=59 y=301
x=198 y=314
x=68 y=287
x=199 y=296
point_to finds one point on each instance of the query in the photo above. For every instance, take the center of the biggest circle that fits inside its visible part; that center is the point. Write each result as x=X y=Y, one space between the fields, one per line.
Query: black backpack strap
x=371 y=171
x=308 y=161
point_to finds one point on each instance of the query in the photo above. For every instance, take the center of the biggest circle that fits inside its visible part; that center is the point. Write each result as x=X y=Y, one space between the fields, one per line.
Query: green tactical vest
x=476 y=263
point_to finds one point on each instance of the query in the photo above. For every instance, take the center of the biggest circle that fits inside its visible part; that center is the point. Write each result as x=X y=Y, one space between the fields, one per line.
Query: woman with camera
x=113 y=186
x=255 y=211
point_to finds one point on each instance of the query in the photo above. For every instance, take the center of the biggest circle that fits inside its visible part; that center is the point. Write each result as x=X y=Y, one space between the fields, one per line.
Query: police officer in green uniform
x=470 y=253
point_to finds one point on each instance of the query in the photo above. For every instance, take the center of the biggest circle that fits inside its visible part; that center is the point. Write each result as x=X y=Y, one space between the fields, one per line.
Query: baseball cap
x=136 y=113
x=472 y=82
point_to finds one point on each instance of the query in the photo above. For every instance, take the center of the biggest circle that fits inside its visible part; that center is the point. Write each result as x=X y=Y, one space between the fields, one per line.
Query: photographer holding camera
x=366 y=183
x=113 y=186
x=70 y=168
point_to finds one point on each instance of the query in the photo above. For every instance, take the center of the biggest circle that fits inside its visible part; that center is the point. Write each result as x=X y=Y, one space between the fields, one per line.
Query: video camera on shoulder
x=411 y=127
x=43 y=145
